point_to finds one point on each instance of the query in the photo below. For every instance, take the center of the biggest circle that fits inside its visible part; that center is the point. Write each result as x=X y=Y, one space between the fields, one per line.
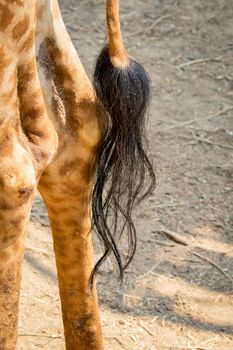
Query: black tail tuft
x=124 y=173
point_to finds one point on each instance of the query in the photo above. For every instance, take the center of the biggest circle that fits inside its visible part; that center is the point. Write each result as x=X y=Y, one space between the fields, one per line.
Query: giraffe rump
x=125 y=174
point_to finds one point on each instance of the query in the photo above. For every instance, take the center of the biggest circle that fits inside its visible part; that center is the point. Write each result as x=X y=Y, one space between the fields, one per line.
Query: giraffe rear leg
x=66 y=188
x=17 y=187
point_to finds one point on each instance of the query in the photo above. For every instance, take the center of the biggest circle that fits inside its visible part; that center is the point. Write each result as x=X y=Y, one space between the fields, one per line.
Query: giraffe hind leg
x=66 y=186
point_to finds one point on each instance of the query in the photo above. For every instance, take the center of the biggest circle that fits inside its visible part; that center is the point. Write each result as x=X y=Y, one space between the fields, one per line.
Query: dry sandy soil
x=176 y=296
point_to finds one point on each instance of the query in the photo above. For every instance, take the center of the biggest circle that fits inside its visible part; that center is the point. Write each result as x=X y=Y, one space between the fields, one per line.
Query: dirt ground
x=176 y=296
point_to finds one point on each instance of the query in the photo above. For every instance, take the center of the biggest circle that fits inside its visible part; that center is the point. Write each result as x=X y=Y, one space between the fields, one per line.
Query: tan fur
x=117 y=50
x=49 y=131
x=50 y=127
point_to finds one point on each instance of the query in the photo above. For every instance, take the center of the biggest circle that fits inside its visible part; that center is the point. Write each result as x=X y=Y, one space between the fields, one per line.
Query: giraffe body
x=51 y=125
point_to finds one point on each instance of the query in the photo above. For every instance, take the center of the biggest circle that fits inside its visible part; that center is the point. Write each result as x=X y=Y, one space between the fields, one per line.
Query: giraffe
x=69 y=139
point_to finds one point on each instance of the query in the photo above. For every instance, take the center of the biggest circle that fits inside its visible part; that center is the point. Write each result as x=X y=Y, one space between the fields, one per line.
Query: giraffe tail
x=124 y=172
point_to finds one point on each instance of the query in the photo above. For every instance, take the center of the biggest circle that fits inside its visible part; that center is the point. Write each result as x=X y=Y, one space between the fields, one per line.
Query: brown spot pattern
x=29 y=42
x=17 y=2
x=26 y=73
x=49 y=57
x=5 y=205
x=69 y=167
x=25 y=192
x=21 y=28
x=6 y=16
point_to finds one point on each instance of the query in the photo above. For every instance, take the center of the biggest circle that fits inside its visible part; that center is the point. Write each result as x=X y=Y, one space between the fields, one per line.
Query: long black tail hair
x=125 y=175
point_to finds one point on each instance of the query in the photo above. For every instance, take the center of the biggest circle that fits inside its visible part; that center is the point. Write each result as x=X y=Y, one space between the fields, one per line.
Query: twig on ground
x=148 y=29
x=51 y=336
x=133 y=338
x=124 y=346
x=175 y=237
x=226 y=338
x=154 y=319
x=142 y=325
x=200 y=60
x=188 y=122
x=148 y=272
x=39 y=251
x=212 y=340
x=213 y=264
x=169 y=205
x=124 y=295
x=130 y=14
x=199 y=139
x=128 y=332
x=163 y=243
